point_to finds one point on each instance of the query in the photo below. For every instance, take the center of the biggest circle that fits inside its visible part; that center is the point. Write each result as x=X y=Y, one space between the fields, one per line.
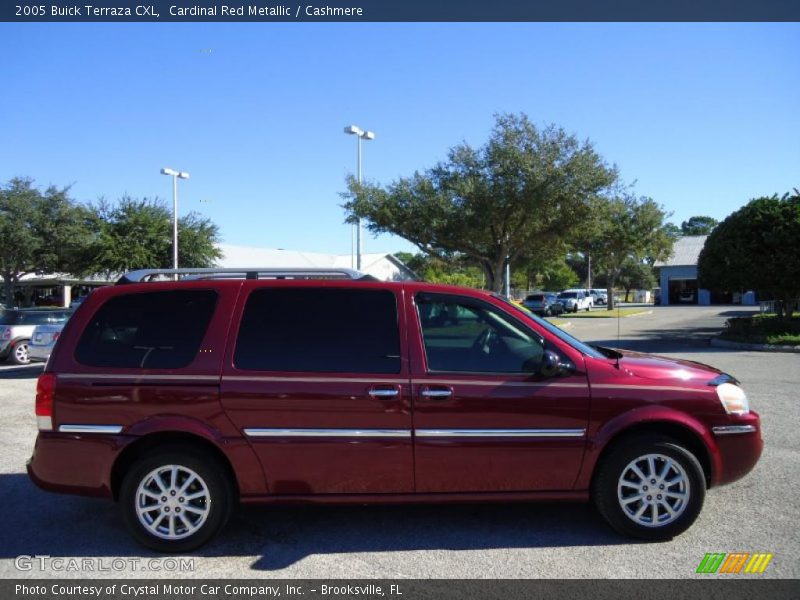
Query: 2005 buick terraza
x=181 y=398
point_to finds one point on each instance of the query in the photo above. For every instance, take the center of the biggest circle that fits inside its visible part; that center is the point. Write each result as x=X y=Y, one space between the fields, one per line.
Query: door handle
x=384 y=392
x=436 y=393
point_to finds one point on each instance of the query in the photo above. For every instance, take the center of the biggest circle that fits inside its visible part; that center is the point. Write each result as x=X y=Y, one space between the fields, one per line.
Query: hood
x=661 y=368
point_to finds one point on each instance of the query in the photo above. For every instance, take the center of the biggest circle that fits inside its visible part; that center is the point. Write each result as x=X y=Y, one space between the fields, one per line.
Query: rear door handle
x=436 y=393
x=384 y=393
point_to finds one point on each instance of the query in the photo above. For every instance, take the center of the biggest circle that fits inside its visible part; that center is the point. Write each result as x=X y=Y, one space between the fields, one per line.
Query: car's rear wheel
x=19 y=353
x=650 y=489
x=176 y=500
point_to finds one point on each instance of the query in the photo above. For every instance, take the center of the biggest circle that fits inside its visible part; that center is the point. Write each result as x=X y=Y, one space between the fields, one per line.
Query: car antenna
x=618 y=355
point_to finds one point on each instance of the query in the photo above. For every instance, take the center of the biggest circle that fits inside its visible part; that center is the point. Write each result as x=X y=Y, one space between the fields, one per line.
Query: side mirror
x=552 y=365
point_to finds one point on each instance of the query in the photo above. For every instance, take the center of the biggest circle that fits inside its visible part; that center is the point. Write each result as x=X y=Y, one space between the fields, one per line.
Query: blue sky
x=701 y=116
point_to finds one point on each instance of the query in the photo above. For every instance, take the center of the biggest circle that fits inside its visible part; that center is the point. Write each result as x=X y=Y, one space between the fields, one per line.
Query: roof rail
x=145 y=275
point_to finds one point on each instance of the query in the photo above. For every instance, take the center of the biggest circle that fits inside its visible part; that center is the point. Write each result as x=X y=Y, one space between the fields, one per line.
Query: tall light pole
x=175 y=176
x=362 y=135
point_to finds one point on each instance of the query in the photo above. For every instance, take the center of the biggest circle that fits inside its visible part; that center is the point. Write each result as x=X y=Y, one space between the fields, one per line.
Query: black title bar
x=110 y=11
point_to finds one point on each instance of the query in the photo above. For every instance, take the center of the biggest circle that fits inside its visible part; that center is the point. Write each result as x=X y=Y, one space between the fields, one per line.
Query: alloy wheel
x=653 y=490
x=21 y=354
x=172 y=502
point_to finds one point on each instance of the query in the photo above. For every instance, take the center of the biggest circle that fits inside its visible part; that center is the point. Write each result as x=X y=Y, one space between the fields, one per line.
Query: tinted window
x=152 y=330
x=568 y=295
x=320 y=330
x=33 y=317
x=467 y=335
x=535 y=298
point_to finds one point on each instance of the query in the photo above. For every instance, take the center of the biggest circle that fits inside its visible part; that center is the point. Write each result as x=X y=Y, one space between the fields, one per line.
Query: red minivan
x=181 y=398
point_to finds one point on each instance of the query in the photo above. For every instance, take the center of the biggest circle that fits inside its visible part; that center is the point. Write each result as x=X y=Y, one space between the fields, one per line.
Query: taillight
x=45 y=390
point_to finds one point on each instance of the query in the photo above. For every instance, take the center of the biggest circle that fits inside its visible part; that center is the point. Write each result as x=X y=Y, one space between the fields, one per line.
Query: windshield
x=535 y=298
x=568 y=295
x=559 y=333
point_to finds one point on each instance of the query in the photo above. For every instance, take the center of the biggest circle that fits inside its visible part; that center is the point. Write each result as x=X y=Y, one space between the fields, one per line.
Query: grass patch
x=608 y=314
x=763 y=329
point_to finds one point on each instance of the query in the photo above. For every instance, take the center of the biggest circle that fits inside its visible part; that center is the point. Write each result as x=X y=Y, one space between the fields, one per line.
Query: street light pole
x=175 y=176
x=362 y=135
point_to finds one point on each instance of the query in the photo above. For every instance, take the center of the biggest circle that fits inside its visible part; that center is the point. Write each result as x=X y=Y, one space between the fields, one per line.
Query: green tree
x=698 y=225
x=673 y=230
x=636 y=275
x=41 y=232
x=756 y=248
x=137 y=234
x=525 y=188
x=626 y=228
x=454 y=270
x=549 y=274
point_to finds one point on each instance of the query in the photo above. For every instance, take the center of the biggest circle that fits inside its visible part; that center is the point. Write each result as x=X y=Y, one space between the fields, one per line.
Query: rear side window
x=319 y=330
x=151 y=330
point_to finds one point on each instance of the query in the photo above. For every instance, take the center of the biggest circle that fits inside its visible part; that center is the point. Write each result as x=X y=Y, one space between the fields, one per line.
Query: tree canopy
x=626 y=229
x=698 y=225
x=46 y=231
x=41 y=232
x=524 y=189
x=756 y=248
x=137 y=234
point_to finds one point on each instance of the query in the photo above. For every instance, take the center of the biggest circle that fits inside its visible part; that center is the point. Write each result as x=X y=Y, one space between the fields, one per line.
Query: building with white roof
x=679 y=277
x=385 y=266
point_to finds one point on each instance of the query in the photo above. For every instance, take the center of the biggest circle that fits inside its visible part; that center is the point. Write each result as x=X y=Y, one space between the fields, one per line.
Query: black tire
x=217 y=484
x=575 y=310
x=548 y=312
x=19 y=353
x=607 y=482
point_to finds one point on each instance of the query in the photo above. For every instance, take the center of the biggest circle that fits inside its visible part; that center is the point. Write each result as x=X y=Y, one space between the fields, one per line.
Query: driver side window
x=467 y=335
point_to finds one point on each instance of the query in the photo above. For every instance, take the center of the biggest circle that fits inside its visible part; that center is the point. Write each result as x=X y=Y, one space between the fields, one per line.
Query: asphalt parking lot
x=756 y=514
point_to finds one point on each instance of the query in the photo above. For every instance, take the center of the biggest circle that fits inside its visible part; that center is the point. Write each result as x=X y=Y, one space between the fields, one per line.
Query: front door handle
x=384 y=392
x=437 y=393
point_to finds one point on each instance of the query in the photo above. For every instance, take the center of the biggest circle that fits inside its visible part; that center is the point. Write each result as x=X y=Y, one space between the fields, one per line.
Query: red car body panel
x=215 y=402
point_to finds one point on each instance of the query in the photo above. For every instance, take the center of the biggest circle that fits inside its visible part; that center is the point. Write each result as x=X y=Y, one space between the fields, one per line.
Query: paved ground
x=758 y=513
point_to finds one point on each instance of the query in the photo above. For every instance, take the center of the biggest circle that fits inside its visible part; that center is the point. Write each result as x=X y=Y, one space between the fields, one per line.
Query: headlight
x=733 y=399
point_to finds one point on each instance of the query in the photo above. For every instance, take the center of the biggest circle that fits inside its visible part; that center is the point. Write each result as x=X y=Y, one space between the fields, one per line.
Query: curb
x=719 y=343
x=612 y=315
x=564 y=325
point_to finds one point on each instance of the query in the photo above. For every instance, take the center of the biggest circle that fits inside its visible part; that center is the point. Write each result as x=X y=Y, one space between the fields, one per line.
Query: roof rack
x=146 y=275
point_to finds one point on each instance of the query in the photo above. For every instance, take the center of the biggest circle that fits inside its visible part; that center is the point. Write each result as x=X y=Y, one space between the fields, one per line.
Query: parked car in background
x=42 y=341
x=600 y=296
x=575 y=300
x=544 y=304
x=16 y=329
x=686 y=296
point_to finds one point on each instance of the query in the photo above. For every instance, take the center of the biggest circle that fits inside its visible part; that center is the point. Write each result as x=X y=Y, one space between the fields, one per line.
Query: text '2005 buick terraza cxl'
x=181 y=398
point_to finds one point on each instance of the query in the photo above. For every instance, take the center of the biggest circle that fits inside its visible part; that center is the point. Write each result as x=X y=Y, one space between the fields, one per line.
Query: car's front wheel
x=19 y=353
x=651 y=489
x=176 y=500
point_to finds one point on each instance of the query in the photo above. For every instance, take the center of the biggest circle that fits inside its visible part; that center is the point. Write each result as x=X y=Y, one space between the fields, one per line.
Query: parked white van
x=575 y=300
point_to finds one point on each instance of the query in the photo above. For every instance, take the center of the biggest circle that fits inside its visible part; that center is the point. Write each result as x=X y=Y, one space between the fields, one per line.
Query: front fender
x=646 y=419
